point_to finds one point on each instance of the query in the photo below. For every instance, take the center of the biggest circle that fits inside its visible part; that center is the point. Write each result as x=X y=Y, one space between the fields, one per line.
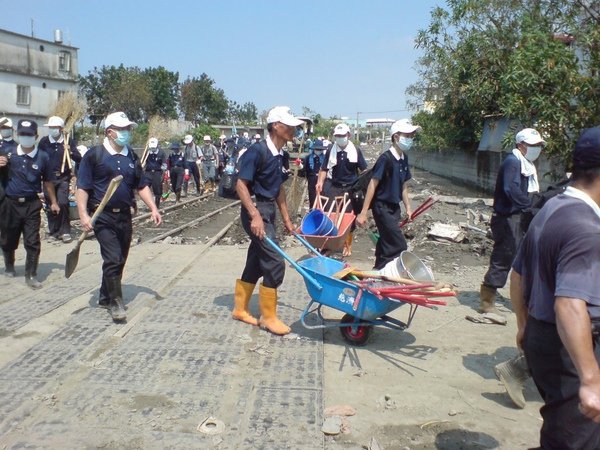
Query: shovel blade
x=72 y=260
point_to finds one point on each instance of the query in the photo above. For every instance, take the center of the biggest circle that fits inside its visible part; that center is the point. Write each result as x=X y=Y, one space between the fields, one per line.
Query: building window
x=61 y=94
x=64 y=61
x=23 y=95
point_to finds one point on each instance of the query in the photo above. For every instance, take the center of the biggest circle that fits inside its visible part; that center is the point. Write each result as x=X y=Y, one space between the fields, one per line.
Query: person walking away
x=113 y=227
x=25 y=170
x=193 y=154
x=176 y=166
x=387 y=188
x=7 y=142
x=210 y=163
x=312 y=166
x=261 y=173
x=340 y=168
x=59 y=225
x=555 y=293
x=156 y=164
x=516 y=180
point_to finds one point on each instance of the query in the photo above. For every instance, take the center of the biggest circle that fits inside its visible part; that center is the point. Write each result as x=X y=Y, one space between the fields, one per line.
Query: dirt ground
x=431 y=386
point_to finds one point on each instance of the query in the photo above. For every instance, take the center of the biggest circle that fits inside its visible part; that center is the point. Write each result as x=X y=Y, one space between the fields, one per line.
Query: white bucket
x=407 y=265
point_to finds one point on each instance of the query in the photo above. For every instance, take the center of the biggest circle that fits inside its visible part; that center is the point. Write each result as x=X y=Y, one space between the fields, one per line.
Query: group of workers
x=554 y=286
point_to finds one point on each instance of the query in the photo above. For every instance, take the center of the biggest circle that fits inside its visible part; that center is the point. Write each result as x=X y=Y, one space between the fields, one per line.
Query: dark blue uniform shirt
x=262 y=170
x=312 y=164
x=392 y=174
x=94 y=176
x=510 y=194
x=55 y=151
x=155 y=160
x=344 y=173
x=7 y=146
x=560 y=257
x=25 y=174
x=176 y=160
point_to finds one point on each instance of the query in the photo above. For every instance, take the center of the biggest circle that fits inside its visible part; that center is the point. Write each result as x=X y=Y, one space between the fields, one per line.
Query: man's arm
x=257 y=225
x=518 y=303
x=82 y=197
x=361 y=219
x=575 y=330
x=147 y=197
x=406 y=200
x=49 y=186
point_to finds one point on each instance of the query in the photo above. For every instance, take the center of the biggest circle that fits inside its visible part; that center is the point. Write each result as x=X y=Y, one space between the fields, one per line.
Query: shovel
x=73 y=255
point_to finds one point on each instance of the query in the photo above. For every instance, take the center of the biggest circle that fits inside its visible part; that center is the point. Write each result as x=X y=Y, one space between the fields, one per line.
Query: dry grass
x=158 y=128
x=71 y=109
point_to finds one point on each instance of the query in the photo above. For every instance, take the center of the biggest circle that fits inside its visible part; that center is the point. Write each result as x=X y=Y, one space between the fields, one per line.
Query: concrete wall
x=476 y=170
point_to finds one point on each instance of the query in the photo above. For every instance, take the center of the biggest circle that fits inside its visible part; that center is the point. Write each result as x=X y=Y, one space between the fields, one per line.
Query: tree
x=509 y=58
x=202 y=102
x=246 y=114
x=139 y=93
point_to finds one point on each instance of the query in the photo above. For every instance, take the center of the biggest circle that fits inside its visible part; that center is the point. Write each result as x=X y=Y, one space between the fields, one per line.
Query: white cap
x=55 y=121
x=118 y=119
x=8 y=122
x=257 y=136
x=529 y=136
x=82 y=149
x=283 y=114
x=326 y=143
x=152 y=143
x=187 y=139
x=222 y=136
x=341 y=129
x=404 y=126
x=207 y=138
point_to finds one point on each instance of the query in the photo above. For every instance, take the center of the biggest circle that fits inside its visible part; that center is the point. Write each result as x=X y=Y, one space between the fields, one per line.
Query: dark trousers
x=113 y=232
x=552 y=369
x=21 y=218
x=194 y=172
x=507 y=235
x=391 y=240
x=59 y=224
x=262 y=260
x=155 y=177
x=176 y=174
x=311 y=181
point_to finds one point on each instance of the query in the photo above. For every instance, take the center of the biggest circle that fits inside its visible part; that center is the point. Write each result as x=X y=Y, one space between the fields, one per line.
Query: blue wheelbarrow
x=363 y=309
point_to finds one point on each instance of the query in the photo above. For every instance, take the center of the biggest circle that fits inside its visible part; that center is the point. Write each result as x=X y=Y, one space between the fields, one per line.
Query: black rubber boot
x=103 y=300
x=117 y=309
x=9 y=264
x=31 y=263
x=157 y=200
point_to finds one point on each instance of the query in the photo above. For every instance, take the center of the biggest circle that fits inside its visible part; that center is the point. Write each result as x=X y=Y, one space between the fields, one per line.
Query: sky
x=336 y=57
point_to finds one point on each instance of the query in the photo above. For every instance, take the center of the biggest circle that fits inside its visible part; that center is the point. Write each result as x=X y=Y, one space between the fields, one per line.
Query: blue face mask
x=299 y=133
x=123 y=137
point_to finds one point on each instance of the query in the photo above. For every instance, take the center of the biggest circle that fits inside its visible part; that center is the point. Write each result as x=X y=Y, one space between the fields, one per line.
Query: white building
x=34 y=73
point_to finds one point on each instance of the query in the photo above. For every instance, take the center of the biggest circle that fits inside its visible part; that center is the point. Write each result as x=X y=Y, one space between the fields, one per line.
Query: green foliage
x=202 y=102
x=139 y=93
x=322 y=126
x=500 y=58
x=246 y=114
x=202 y=130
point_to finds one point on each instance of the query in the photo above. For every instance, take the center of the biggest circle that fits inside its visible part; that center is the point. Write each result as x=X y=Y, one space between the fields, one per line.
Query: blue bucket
x=315 y=223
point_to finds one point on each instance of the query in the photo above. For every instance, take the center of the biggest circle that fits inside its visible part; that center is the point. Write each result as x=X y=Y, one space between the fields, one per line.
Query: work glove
x=186 y=177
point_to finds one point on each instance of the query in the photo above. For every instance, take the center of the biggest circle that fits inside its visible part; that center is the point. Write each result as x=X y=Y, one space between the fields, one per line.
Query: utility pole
x=356 y=136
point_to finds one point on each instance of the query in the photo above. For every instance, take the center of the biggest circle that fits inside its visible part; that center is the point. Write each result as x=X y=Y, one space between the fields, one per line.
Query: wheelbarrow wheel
x=357 y=336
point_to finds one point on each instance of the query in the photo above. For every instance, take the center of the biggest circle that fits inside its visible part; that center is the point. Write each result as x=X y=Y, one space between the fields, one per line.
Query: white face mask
x=6 y=133
x=27 y=141
x=405 y=143
x=341 y=141
x=533 y=153
x=54 y=133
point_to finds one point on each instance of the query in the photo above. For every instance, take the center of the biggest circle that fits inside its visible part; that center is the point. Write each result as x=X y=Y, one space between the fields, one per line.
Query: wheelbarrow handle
x=307 y=245
x=296 y=266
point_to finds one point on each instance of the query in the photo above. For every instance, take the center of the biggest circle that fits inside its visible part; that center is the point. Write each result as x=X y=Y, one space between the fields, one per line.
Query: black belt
x=260 y=198
x=22 y=199
x=113 y=210
x=342 y=185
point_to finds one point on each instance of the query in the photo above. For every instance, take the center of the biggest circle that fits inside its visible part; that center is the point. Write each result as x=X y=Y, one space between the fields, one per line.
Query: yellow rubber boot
x=348 y=245
x=267 y=301
x=241 y=298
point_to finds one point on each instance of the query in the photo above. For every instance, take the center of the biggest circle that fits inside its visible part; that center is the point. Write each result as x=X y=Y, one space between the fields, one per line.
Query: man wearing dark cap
x=312 y=166
x=113 y=227
x=176 y=164
x=555 y=292
x=25 y=169
x=7 y=142
x=262 y=174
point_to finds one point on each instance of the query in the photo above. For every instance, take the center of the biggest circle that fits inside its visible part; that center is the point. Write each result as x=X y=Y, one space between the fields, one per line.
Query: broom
x=72 y=109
